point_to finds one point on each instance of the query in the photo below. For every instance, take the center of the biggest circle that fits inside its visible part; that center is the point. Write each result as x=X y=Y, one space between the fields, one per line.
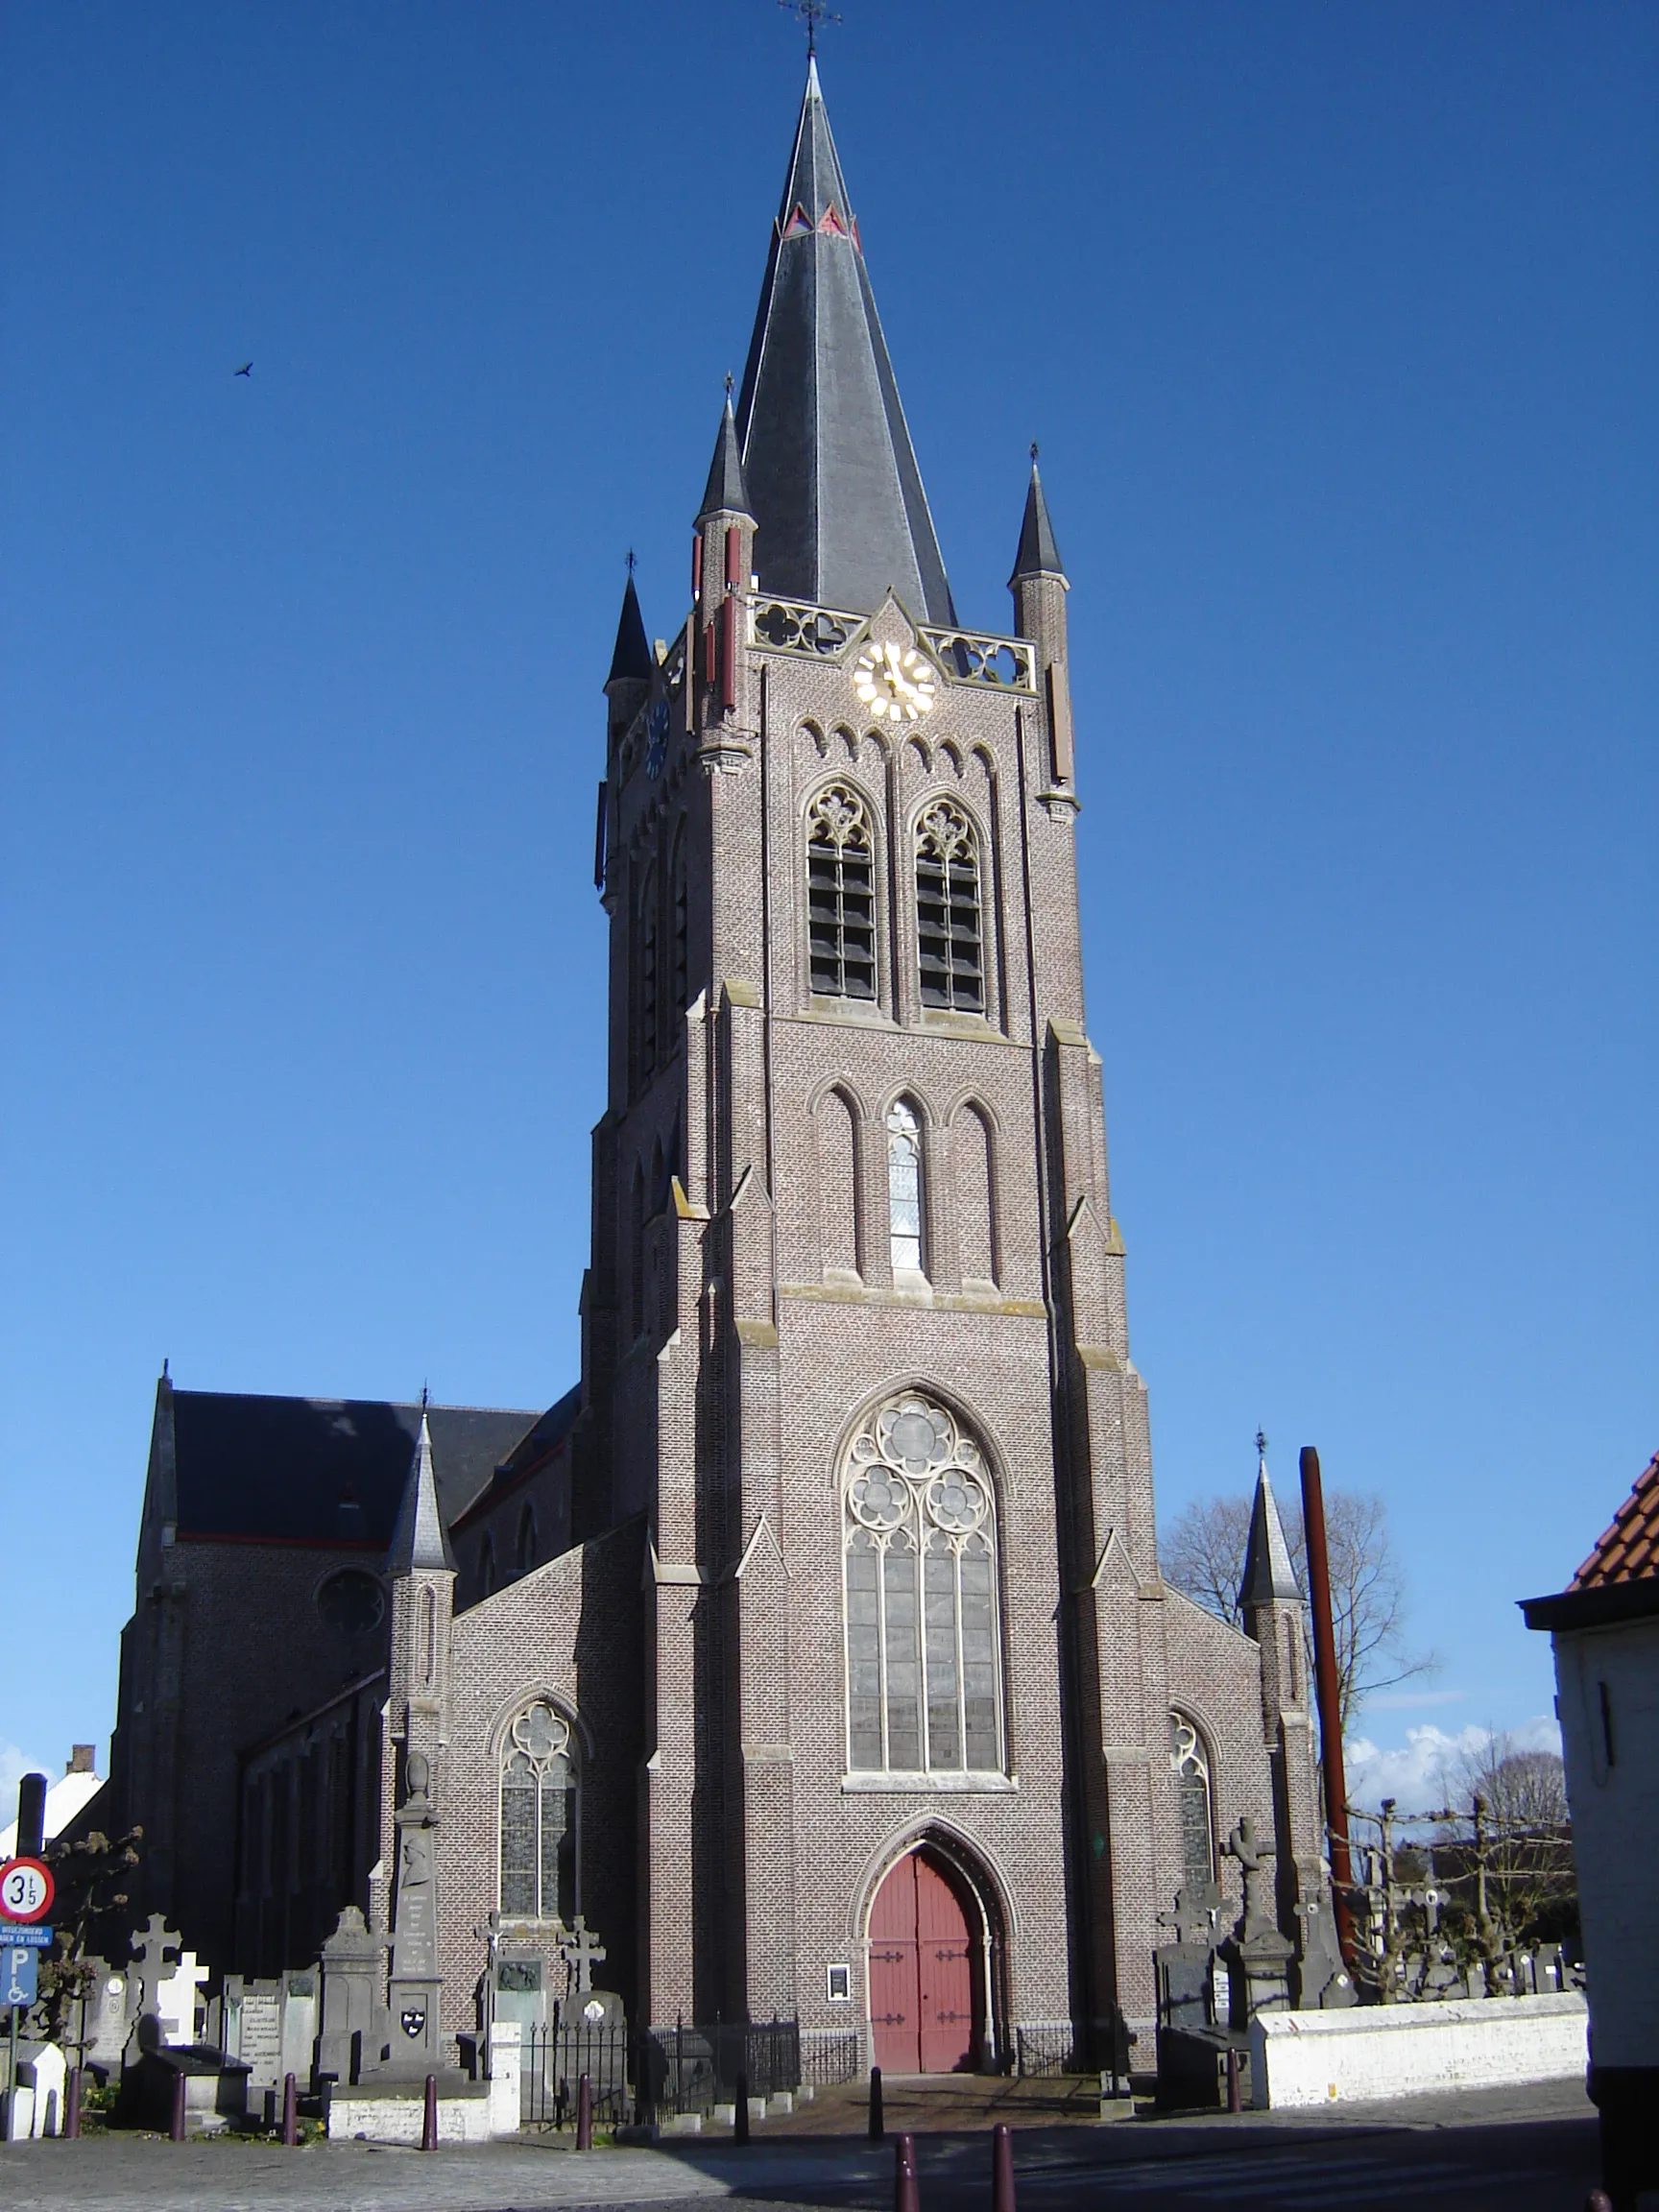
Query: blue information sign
x=18 y=1979
x=32 y=1938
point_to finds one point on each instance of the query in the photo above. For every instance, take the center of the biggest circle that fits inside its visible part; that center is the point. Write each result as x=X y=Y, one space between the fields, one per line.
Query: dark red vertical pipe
x=1327 y=1692
x=728 y=655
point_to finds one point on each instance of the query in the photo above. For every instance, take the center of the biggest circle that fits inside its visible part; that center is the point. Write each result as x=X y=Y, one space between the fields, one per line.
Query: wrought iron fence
x=829 y=2056
x=553 y=2059
x=661 y=2072
x=692 y=2067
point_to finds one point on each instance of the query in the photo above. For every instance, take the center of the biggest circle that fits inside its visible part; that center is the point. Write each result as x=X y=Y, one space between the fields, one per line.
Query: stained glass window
x=923 y=1671
x=904 y=1188
x=539 y=1809
x=1191 y=1770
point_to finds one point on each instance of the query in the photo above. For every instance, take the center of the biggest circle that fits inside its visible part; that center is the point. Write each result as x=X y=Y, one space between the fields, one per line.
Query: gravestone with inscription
x=253 y=2029
x=415 y=1984
x=353 y=2035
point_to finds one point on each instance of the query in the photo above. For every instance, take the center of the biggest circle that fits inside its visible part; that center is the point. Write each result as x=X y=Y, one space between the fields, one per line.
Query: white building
x=1604 y=1627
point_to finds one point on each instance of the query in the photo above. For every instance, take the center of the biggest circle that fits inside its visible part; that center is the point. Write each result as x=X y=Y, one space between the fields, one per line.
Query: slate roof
x=543 y=1442
x=323 y=1470
x=1628 y=1552
x=1268 y=1577
x=832 y=482
x=1038 y=555
x=631 y=660
x=724 y=493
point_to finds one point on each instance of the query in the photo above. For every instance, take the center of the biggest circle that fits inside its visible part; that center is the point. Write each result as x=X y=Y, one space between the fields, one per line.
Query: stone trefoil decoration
x=923 y=1674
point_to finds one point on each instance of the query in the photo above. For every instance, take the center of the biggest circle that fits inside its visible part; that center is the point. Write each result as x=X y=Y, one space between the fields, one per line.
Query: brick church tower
x=854 y=1328
x=813 y=1651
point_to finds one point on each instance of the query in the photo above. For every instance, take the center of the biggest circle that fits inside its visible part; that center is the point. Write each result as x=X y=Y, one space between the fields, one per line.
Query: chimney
x=82 y=1759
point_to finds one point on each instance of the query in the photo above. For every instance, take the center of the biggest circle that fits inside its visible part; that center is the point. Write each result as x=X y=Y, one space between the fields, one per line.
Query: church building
x=813 y=1652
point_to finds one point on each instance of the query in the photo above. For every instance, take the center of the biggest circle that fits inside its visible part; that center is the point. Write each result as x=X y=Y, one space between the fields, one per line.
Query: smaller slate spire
x=1268 y=1578
x=726 y=493
x=1038 y=554
x=630 y=662
x=420 y=1541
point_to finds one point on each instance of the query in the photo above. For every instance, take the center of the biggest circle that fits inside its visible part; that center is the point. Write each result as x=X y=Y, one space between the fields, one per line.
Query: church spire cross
x=812 y=13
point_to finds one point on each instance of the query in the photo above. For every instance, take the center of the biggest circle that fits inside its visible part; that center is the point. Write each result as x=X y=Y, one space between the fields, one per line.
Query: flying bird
x=246 y=370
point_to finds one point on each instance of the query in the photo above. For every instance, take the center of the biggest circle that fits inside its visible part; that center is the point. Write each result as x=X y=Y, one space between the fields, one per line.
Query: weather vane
x=1261 y=1444
x=812 y=13
x=633 y=562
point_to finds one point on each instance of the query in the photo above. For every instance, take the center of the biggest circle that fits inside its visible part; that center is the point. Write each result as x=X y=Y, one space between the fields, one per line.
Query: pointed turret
x=1038 y=554
x=1039 y=587
x=420 y=1542
x=631 y=662
x=1268 y=1578
x=826 y=453
x=726 y=493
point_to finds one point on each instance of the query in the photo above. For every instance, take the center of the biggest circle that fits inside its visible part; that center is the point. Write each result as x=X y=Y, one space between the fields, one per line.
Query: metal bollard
x=72 y=2104
x=1002 y=2168
x=1234 y=2094
x=429 y=2117
x=740 y=2111
x=585 y=2113
x=905 y=2196
x=176 y=2130
x=878 y=2120
x=290 y=2110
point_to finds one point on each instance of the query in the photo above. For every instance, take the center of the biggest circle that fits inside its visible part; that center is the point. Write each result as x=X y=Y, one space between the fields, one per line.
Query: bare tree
x=1203 y=1557
x=1507 y=1808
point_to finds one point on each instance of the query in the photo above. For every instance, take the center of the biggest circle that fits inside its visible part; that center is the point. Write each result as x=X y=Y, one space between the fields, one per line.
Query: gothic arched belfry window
x=840 y=895
x=904 y=1188
x=539 y=1806
x=950 y=931
x=919 y=1535
x=1191 y=1770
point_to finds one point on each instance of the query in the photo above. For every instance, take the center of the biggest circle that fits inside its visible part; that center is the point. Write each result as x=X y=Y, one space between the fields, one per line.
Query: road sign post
x=26 y=1892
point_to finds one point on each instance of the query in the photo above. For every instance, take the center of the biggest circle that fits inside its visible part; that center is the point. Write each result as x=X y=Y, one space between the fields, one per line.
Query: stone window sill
x=874 y=1784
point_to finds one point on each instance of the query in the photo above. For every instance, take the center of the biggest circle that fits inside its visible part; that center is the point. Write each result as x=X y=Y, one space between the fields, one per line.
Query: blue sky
x=1338 y=329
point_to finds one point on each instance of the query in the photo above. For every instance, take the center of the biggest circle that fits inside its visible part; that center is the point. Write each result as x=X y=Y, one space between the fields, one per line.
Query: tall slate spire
x=1268 y=1577
x=421 y=1539
x=832 y=476
x=631 y=662
x=1038 y=554
x=726 y=493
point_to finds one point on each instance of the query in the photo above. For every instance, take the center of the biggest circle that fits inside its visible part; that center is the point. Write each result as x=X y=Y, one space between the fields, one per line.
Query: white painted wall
x=1614 y=1822
x=1303 y=2058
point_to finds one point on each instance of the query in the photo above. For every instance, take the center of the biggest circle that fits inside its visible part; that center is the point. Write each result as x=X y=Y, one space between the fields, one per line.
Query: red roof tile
x=1629 y=1550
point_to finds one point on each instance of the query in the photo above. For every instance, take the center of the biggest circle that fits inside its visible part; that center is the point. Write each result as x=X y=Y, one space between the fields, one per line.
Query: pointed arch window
x=904 y=1188
x=841 y=895
x=526 y=1548
x=918 y=1536
x=540 y=1805
x=950 y=931
x=647 y=927
x=681 y=926
x=1189 y=1767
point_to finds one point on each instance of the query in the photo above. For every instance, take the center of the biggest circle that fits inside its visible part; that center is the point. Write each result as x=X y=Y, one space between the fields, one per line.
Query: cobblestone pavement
x=1514 y=2150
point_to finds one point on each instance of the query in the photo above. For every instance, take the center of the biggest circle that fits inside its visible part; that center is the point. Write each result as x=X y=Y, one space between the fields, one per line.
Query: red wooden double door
x=925 y=1984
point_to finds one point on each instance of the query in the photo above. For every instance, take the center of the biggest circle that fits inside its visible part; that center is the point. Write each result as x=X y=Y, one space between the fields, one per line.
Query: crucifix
x=581 y=1954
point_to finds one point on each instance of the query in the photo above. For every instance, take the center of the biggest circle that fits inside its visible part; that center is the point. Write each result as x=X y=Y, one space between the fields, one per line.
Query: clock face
x=895 y=681
x=657 y=733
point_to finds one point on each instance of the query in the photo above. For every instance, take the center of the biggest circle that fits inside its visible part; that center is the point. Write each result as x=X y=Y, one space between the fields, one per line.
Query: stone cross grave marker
x=175 y=1999
x=1193 y=1919
x=581 y=1954
x=152 y=1942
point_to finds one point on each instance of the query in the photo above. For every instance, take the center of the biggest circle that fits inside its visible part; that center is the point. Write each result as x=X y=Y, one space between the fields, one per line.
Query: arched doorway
x=927 y=1976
